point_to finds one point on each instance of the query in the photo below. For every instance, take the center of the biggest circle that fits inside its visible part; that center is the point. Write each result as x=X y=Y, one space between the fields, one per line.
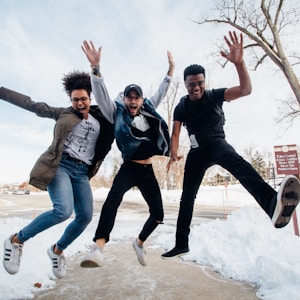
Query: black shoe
x=175 y=252
x=288 y=197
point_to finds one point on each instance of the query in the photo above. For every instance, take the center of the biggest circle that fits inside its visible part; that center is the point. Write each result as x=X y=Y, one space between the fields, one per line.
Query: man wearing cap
x=140 y=133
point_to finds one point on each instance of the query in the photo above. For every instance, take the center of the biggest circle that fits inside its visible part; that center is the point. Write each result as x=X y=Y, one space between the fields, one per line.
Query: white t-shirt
x=81 y=141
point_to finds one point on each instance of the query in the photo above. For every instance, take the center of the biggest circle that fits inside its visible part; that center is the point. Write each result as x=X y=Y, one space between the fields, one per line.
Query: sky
x=40 y=42
x=244 y=246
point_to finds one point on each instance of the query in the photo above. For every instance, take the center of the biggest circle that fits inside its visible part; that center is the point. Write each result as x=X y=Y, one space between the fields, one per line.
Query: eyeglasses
x=79 y=99
x=192 y=85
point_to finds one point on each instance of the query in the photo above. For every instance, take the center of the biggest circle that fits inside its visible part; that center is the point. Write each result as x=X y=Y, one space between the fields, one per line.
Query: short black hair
x=193 y=70
x=77 y=80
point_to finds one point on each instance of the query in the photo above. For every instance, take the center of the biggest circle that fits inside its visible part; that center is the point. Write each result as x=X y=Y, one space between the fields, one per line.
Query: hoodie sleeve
x=161 y=92
x=106 y=105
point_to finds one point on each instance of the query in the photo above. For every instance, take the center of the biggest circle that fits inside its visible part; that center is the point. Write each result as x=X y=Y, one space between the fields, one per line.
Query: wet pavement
x=122 y=277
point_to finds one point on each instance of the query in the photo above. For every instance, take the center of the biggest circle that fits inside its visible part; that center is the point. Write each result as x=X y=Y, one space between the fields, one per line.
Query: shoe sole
x=174 y=256
x=286 y=206
x=89 y=264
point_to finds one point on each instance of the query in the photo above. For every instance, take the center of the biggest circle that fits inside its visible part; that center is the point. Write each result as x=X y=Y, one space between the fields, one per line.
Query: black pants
x=223 y=154
x=131 y=174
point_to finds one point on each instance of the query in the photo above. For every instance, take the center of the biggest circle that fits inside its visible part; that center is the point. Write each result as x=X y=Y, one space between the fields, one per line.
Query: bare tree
x=173 y=178
x=171 y=100
x=266 y=26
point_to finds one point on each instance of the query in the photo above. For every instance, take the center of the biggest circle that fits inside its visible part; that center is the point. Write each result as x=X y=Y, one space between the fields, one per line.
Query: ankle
x=56 y=250
x=101 y=244
x=15 y=240
x=139 y=243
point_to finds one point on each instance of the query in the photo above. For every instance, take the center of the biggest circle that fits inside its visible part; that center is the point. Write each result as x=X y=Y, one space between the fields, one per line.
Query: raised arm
x=164 y=86
x=106 y=105
x=235 y=56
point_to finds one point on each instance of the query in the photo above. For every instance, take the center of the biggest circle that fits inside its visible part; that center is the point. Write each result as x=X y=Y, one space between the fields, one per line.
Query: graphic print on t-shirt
x=81 y=141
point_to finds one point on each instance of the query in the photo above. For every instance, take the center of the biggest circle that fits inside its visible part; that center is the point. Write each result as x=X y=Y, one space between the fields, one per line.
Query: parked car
x=21 y=192
x=18 y=192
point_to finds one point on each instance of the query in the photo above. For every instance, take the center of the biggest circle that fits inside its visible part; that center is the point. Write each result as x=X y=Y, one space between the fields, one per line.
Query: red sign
x=287 y=159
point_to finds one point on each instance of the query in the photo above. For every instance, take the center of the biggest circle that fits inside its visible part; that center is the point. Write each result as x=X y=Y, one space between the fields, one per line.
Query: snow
x=243 y=246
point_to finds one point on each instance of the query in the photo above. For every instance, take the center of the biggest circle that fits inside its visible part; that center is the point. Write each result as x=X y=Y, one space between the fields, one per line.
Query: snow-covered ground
x=244 y=246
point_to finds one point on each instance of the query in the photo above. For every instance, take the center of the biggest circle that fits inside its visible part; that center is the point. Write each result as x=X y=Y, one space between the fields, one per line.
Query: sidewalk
x=122 y=277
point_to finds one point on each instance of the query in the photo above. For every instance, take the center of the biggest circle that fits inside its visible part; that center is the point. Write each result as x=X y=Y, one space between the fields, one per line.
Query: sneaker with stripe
x=58 y=263
x=12 y=255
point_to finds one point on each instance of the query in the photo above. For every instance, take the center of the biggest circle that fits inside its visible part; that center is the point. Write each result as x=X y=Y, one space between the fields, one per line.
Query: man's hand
x=172 y=160
x=93 y=55
x=171 y=63
x=235 y=54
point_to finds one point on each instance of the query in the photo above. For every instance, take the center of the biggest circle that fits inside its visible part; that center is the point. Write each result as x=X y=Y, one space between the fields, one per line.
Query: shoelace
x=61 y=263
x=16 y=255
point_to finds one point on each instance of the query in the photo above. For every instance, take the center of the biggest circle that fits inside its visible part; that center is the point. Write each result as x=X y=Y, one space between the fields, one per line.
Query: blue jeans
x=69 y=190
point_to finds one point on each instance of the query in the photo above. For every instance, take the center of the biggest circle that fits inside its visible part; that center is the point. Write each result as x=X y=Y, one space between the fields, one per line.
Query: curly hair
x=193 y=70
x=77 y=80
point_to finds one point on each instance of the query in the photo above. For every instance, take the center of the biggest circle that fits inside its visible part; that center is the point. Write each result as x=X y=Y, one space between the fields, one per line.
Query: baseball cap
x=133 y=87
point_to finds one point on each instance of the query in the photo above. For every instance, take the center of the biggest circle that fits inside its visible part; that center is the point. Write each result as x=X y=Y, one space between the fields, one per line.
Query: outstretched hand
x=235 y=54
x=93 y=55
x=171 y=63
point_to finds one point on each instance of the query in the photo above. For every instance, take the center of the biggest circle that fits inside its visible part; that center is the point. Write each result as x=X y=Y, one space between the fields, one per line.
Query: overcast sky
x=40 y=41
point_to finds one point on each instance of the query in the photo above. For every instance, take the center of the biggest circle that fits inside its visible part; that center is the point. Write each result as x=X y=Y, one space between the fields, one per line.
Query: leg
x=60 y=191
x=83 y=206
x=150 y=190
x=148 y=185
x=123 y=181
x=61 y=194
x=196 y=164
x=263 y=193
x=195 y=167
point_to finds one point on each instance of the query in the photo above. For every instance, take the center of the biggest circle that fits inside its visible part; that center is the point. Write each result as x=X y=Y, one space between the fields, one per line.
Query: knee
x=85 y=218
x=62 y=214
x=187 y=201
x=160 y=218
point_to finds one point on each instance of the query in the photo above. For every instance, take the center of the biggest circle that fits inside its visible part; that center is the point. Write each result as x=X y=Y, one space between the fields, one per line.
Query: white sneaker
x=12 y=255
x=94 y=258
x=288 y=198
x=58 y=263
x=140 y=253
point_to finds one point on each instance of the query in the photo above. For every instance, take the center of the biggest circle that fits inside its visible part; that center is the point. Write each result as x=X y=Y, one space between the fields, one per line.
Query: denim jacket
x=127 y=142
x=116 y=113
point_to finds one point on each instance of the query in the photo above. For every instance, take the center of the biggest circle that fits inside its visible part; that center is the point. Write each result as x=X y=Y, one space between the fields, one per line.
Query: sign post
x=287 y=163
